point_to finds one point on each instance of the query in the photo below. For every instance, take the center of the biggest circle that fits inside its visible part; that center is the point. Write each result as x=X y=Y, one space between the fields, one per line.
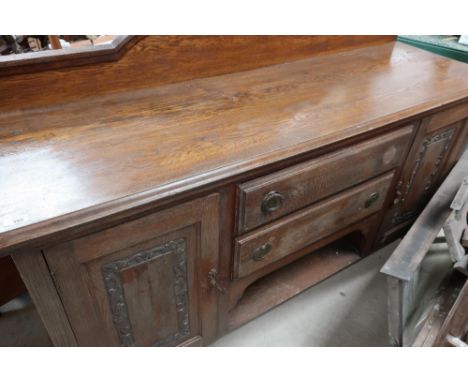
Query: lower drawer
x=263 y=246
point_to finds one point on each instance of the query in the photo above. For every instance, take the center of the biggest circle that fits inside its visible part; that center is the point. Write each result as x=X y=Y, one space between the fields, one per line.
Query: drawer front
x=288 y=235
x=270 y=197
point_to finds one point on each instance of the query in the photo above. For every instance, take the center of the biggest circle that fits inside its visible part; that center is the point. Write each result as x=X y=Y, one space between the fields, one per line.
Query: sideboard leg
x=36 y=276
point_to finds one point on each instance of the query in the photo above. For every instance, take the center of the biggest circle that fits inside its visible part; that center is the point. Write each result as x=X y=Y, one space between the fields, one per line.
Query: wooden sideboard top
x=66 y=165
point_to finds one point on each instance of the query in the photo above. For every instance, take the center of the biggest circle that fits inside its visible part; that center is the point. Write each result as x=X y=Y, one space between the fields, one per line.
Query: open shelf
x=285 y=283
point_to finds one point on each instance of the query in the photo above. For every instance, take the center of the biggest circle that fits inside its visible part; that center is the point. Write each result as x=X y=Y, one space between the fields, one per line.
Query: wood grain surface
x=153 y=61
x=287 y=282
x=38 y=279
x=298 y=230
x=147 y=311
x=66 y=165
x=310 y=181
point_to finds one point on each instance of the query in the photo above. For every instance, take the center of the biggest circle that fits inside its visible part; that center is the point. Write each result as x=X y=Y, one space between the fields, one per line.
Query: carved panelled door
x=145 y=282
x=439 y=143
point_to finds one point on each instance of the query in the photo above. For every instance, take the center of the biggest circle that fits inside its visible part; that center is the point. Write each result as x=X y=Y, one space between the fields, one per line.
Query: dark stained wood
x=300 y=229
x=135 y=286
x=412 y=249
x=437 y=146
x=11 y=285
x=459 y=146
x=125 y=174
x=152 y=61
x=37 y=277
x=289 y=281
x=227 y=234
x=150 y=302
x=209 y=233
x=445 y=118
x=311 y=181
x=426 y=174
x=358 y=236
x=70 y=158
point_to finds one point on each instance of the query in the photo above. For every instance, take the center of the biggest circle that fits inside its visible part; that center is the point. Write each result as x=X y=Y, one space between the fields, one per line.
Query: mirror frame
x=60 y=58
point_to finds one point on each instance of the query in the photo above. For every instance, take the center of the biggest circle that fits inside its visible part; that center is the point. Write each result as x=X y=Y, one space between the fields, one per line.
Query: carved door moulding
x=399 y=216
x=115 y=290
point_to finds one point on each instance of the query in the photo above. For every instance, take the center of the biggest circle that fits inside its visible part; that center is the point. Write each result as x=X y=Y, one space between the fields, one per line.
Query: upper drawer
x=286 y=236
x=269 y=197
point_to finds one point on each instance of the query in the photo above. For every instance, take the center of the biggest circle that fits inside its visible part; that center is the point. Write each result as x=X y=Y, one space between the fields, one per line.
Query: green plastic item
x=447 y=46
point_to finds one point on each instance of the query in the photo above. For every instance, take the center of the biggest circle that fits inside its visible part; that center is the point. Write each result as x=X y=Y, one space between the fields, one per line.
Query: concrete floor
x=348 y=309
x=20 y=324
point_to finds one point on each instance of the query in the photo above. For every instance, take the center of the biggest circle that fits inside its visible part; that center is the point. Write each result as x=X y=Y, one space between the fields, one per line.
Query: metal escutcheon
x=371 y=199
x=272 y=201
x=260 y=253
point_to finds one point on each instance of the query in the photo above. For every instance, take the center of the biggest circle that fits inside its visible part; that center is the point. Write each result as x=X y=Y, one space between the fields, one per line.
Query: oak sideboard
x=169 y=189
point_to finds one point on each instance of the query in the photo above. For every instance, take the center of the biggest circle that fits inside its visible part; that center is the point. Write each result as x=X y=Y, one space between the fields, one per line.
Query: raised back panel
x=160 y=60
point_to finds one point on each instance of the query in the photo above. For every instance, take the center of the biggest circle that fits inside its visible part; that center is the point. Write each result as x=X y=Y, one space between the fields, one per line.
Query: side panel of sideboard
x=438 y=144
x=144 y=282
